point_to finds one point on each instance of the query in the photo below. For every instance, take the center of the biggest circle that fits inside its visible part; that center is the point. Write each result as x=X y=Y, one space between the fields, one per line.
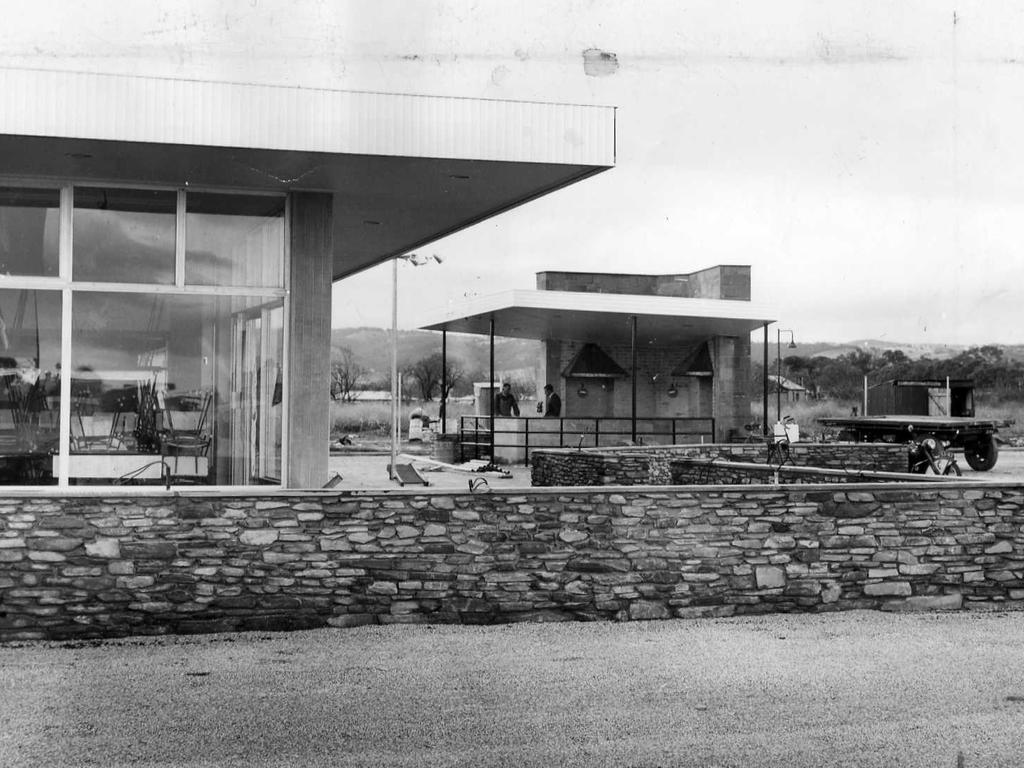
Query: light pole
x=416 y=260
x=778 y=368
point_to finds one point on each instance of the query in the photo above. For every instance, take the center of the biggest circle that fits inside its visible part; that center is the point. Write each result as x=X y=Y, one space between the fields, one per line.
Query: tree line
x=842 y=377
x=427 y=378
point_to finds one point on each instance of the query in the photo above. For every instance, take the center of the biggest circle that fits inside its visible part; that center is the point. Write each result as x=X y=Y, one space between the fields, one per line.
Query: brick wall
x=649 y=465
x=84 y=567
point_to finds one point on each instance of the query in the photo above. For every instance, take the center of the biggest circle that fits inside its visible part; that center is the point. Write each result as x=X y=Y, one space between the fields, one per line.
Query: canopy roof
x=404 y=170
x=602 y=318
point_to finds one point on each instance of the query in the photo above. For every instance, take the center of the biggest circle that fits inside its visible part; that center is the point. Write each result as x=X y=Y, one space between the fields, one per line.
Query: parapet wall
x=688 y=471
x=650 y=465
x=112 y=565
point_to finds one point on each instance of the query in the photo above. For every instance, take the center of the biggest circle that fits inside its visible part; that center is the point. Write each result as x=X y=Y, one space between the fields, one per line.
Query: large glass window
x=172 y=369
x=234 y=240
x=30 y=323
x=176 y=384
x=124 y=235
x=29 y=229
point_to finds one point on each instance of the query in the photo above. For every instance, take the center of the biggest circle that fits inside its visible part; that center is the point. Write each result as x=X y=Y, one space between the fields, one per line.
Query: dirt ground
x=857 y=689
x=360 y=471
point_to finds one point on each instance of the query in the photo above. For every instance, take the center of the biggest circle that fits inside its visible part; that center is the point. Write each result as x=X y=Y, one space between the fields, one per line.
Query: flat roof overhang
x=404 y=170
x=602 y=318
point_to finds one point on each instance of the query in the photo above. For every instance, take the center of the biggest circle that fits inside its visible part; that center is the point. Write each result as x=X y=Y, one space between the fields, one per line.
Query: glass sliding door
x=272 y=431
x=257 y=396
x=245 y=398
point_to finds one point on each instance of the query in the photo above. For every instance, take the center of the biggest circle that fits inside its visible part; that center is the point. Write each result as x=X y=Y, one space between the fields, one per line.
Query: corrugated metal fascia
x=127 y=108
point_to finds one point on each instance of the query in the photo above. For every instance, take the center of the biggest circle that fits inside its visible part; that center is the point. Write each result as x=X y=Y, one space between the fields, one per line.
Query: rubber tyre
x=952 y=469
x=982 y=456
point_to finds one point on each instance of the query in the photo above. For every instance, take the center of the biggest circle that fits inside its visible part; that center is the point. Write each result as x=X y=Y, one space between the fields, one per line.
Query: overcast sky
x=865 y=158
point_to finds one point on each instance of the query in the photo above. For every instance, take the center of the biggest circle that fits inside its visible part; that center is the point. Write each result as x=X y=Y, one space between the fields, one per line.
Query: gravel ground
x=855 y=689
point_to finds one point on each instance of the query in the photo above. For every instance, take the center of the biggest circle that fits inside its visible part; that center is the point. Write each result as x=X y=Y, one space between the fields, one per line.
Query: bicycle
x=932 y=454
x=779 y=441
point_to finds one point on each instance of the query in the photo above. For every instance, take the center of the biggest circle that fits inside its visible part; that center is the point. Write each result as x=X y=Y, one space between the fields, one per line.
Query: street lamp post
x=778 y=368
x=394 y=368
x=416 y=260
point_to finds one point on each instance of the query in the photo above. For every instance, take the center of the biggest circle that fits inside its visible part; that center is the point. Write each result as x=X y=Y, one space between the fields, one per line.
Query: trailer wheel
x=982 y=455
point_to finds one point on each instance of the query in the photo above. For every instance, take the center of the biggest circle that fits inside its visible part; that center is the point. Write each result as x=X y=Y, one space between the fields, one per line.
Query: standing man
x=552 y=402
x=505 y=403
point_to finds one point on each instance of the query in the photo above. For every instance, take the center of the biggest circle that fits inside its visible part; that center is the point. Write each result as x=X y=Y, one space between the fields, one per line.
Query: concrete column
x=731 y=358
x=309 y=328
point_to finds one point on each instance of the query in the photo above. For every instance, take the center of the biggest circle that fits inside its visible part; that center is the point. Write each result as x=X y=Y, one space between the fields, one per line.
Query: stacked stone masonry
x=687 y=471
x=90 y=567
x=651 y=465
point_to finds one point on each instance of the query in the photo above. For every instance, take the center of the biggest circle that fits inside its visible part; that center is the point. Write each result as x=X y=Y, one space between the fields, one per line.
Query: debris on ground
x=476 y=466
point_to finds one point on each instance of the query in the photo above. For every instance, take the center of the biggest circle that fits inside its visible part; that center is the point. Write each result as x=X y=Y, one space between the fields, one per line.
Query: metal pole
x=490 y=388
x=778 y=374
x=394 y=368
x=443 y=412
x=764 y=370
x=632 y=342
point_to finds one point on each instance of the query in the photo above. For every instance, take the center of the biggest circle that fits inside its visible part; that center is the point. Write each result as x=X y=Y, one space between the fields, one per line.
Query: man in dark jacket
x=552 y=402
x=505 y=403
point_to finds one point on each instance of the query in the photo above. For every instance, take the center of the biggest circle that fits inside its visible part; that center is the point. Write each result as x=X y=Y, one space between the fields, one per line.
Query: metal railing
x=515 y=438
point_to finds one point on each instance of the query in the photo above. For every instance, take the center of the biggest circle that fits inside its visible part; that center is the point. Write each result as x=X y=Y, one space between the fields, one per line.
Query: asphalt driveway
x=855 y=689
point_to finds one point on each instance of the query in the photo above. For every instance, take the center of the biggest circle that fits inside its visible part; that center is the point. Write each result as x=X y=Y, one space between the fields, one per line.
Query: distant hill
x=833 y=350
x=372 y=350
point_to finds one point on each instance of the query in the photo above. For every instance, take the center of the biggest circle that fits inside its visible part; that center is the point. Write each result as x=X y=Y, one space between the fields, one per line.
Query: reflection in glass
x=29 y=385
x=234 y=240
x=175 y=383
x=29 y=220
x=124 y=235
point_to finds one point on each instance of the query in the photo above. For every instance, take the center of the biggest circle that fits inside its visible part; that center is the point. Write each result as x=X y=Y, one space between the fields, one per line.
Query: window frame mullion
x=179 y=241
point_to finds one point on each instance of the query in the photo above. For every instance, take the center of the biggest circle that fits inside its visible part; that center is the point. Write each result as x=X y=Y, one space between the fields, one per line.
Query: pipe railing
x=517 y=437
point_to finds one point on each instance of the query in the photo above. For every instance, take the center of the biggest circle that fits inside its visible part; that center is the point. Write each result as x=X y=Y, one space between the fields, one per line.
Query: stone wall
x=719 y=472
x=649 y=465
x=117 y=565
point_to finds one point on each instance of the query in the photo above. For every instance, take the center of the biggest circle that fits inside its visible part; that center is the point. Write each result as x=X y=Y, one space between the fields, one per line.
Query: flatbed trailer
x=976 y=437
